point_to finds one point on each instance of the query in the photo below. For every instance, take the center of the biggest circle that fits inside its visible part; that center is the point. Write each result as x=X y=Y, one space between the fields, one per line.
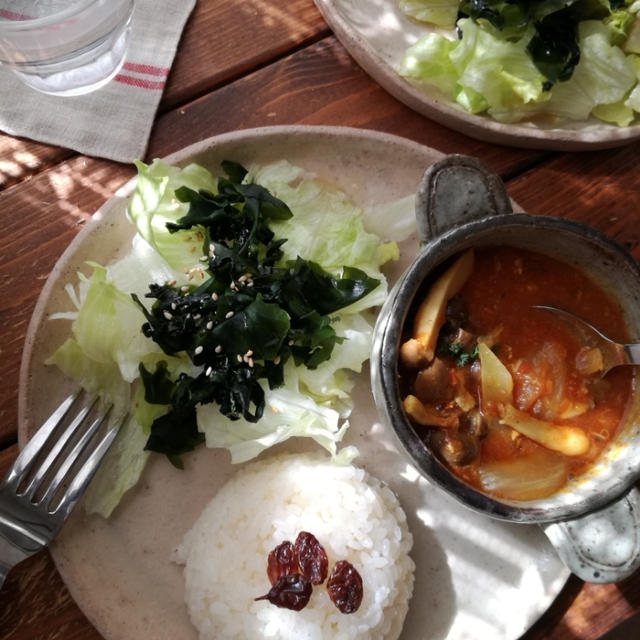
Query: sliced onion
x=534 y=476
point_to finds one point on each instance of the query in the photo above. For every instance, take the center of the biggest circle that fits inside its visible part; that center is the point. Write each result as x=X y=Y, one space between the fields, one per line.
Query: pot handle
x=455 y=190
x=604 y=545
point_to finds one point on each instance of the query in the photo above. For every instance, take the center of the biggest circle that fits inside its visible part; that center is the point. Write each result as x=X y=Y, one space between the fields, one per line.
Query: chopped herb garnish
x=249 y=313
x=462 y=356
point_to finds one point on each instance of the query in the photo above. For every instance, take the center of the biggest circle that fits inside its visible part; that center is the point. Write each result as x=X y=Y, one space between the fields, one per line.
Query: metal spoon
x=613 y=353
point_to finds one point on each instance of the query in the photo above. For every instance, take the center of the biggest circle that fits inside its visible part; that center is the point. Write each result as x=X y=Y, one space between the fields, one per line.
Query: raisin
x=312 y=558
x=282 y=561
x=345 y=587
x=289 y=592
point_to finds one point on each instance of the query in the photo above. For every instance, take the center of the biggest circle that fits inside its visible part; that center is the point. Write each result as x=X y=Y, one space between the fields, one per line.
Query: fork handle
x=4 y=570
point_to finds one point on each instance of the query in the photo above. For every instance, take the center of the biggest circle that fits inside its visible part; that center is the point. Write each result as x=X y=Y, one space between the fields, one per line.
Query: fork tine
x=53 y=454
x=73 y=455
x=87 y=471
x=30 y=452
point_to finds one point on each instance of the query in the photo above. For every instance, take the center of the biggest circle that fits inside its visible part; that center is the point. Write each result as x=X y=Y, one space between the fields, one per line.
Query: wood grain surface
x=251 y=63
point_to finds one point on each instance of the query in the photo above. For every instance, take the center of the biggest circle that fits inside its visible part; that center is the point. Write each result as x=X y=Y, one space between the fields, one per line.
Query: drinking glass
x=64 y=47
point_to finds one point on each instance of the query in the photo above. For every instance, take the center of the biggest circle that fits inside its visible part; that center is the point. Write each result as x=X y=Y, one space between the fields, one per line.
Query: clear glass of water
x=64 y=47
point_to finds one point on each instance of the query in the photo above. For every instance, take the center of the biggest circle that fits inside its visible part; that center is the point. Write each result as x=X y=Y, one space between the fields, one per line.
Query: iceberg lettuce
x=493 y=71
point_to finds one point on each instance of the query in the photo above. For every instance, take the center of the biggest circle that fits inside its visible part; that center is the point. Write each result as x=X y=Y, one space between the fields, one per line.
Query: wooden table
x=241 y=64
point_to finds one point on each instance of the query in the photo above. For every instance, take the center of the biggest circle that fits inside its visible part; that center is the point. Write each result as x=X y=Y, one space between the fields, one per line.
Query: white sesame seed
x=198 y=350
x=208 y=371
x=209 y=325
x=167 y=315
x=214 y=296
x=250 y=362
x=197 y=316
x=203 y=258
x=290 y=343
x=218 y=349
x=184 y=288
x=172 y=282
x=249 y=283
x=239 y=358
x=173 y=306
x=229 y=314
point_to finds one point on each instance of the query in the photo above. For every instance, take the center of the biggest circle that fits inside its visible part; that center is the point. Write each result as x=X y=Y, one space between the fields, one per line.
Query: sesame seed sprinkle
x=198 y=350
x=218 y=348
x=167 y=315
x=229 y=314
x=209 y=325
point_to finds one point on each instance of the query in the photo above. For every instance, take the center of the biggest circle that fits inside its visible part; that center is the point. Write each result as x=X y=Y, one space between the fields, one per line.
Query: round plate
x=376 y=33
x=475 y=577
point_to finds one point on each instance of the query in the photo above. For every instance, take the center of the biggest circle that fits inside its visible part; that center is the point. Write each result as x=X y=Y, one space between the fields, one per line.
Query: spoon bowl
x=610 y=353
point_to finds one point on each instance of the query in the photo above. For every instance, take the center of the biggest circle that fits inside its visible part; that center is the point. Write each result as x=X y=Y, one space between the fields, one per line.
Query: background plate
x=476 y=578
x=376 y=33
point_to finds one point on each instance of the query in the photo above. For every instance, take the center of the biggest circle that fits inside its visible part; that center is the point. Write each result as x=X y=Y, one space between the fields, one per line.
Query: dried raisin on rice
x=282 y=561
x=345 y=587
x=289 y=592
x=312 y=558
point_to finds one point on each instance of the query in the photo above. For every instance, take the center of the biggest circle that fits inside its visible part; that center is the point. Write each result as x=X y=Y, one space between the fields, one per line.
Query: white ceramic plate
x=476 y=578
x=377 y=34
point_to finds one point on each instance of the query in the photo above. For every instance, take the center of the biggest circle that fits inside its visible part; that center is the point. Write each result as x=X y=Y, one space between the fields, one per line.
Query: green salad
x=538 y=60
x=236 y=320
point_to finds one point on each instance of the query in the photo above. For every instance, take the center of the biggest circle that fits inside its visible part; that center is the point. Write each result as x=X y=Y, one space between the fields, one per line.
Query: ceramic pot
x=594 y=521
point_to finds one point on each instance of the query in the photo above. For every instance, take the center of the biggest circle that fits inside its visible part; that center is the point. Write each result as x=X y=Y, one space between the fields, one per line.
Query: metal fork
x=43 y=485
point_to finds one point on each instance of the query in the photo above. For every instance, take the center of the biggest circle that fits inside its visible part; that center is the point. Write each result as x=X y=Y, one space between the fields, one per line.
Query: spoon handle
x=632 y=352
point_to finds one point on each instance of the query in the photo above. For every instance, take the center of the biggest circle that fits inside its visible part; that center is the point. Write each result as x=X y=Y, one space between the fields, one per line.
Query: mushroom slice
x=430 y=315
x=427 y=416
x=571 y=441
x=456 y=448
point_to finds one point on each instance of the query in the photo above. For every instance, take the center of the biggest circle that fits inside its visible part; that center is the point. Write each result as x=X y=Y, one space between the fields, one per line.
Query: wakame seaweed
x=247 y=313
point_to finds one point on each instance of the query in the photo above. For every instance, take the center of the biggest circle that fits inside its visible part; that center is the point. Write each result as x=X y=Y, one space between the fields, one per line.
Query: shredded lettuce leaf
x=106 y=346
x=491 y=70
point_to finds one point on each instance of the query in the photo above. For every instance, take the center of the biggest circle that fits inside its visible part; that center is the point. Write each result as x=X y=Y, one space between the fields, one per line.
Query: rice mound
x=353 y=515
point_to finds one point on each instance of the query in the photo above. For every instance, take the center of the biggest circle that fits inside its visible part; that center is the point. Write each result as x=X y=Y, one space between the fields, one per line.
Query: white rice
x=353 y=515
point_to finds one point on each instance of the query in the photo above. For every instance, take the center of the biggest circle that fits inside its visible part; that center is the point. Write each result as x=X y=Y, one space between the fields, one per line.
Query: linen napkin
x=115 y=121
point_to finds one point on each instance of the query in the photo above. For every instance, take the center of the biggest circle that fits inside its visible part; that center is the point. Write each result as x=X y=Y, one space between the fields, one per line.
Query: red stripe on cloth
x=140 y=82
x=12 y=15
x=149 y=69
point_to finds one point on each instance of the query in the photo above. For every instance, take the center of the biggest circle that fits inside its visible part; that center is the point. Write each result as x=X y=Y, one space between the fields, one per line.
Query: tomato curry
x=511 y=397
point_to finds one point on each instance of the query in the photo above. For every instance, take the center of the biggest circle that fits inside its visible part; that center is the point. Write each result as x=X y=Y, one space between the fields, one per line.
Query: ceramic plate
x=377 y=34
x=476 y=578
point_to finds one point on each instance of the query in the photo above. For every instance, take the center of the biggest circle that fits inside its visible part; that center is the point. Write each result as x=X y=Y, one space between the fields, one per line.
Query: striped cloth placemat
x=115 y=121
